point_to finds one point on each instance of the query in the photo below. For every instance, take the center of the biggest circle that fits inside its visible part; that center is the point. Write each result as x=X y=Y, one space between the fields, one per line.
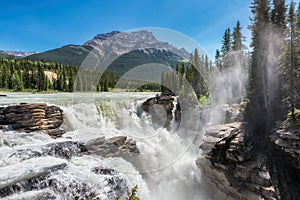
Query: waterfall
x=165 y=168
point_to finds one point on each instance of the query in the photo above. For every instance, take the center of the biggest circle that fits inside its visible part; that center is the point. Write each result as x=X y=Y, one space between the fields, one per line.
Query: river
x=165 y=168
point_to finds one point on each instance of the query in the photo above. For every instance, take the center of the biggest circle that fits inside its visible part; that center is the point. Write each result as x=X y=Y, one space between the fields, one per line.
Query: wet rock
x=161 y=110
x=111 y=147
x=103 y=171
x=33 y=195
x=119 y=146
x=230 y=168
x=17 y=176
x=34 y=117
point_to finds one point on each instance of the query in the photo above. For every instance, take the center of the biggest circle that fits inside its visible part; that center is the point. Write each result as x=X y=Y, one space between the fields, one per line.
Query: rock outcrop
x=111 y=147
x=34 y=117
x=161 y=110
x=235 y=167
x=118 y=146
x=230 y=168
x=289 y=143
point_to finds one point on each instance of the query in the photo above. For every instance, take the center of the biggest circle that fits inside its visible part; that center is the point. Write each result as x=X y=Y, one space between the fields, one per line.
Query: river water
x=164 y=170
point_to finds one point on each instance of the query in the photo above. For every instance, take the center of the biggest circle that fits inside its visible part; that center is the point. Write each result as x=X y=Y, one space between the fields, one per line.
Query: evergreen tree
x=257 y=82
x=237 y=37
x=41 y=77
x=71 y=81
x=182 y=69
x=4 y=77
x=226 y=42
x=218 y=59
x=290 y=59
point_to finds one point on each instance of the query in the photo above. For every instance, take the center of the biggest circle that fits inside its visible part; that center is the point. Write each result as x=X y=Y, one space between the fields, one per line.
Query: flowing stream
x=165 y=168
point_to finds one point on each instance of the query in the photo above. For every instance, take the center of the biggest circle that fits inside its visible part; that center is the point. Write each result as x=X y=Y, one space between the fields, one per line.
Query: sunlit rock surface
x=34 y=117
x=111 y=147
x=230 y=168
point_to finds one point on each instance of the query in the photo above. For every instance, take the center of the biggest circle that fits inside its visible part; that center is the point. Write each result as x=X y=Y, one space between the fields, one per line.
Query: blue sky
x=39 y=25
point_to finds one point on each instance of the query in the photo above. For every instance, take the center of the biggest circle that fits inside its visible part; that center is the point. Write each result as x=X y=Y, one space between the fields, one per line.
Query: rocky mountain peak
x=119 y=43
x=104 y=36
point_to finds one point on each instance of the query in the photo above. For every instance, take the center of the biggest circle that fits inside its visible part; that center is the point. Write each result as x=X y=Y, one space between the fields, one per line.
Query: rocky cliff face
x=286 y=163
x=37 y=117
x=119 y=43
x=233 y=168
x=230 y=168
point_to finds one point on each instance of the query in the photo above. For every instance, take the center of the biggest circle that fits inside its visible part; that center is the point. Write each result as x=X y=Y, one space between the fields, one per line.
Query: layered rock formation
x=234 y=168
x=35 y=117
x=230 y=168
x=286 y=163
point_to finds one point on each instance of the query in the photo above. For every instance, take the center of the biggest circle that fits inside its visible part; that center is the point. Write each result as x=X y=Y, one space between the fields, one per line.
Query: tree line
x=27 y=75
x=188 y=77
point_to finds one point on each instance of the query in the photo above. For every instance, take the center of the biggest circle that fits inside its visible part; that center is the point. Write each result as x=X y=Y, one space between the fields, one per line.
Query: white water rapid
x=165 y=169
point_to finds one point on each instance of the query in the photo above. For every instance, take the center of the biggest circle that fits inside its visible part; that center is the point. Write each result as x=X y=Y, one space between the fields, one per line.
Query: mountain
x=118 y=50
x=16 y=54
x=135 y=58
x=69 y=54
x=120 y=43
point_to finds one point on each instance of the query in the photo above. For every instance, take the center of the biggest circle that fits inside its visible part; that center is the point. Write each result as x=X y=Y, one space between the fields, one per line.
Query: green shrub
x=289 y=123
x=131 y=195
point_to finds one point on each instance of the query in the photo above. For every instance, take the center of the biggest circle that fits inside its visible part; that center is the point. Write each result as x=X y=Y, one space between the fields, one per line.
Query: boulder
x=33 y=117
x=111 y=147
x=161 y=110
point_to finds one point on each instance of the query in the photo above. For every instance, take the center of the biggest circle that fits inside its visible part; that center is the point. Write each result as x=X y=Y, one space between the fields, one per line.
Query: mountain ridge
x=120 y=49
x=16 y=54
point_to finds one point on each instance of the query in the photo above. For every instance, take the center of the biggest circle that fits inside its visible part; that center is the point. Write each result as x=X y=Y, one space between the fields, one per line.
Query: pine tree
x=257 y=82
x=41 y=77
x=237 y=37
x=218 y=60
x=288 y=65
x=182 y=69
x=4 y=77
x=277 y=30
x=11 y=73
x=226 y=42
x=297 y=62
x=71 y=81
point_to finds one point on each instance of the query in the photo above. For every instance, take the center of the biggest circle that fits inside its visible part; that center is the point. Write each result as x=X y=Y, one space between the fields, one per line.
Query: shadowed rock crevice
x=234 y=167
